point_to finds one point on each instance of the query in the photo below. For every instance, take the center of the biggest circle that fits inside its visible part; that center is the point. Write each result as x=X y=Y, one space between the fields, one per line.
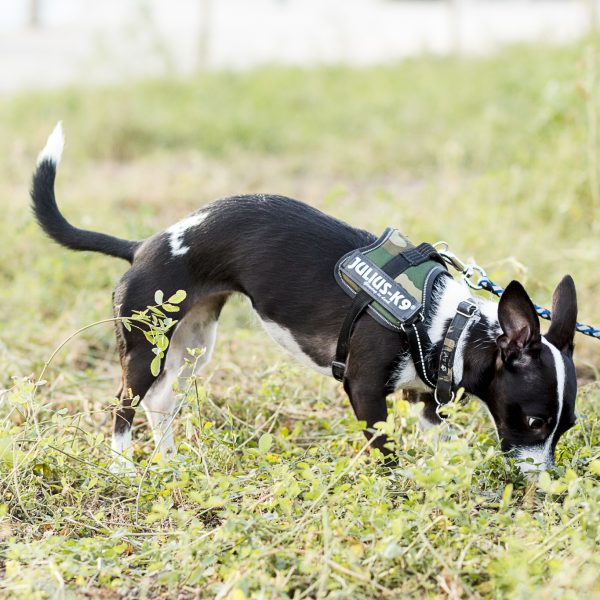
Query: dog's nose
x=529 y=466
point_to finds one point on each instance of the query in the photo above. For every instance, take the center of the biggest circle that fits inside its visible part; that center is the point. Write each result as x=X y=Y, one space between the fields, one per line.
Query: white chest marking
x=542 y=453
x=176 y=232
x=284 y=338
x=452 y=294
x=405 y=377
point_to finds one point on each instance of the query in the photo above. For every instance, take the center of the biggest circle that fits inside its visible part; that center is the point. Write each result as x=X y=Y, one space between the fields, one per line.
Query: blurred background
x=52 y=42
x=473 y=121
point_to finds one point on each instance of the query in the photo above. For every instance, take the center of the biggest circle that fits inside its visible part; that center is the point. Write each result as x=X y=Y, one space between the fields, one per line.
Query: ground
x=273 y=494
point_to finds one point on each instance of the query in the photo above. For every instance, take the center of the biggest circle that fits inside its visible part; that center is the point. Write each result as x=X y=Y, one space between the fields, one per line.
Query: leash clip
x=472 y=268
x=449 y=257
x=338 y=370
x=467 y=270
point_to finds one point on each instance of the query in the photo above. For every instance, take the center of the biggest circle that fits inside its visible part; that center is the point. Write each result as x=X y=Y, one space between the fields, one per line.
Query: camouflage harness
x=392 y=280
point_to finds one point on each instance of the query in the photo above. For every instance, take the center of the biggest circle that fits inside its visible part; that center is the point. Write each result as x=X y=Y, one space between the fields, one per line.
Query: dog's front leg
x=368 y=401
x=369 y=377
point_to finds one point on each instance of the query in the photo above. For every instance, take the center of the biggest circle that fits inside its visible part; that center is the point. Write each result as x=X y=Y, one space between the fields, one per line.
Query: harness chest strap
x=465 y=311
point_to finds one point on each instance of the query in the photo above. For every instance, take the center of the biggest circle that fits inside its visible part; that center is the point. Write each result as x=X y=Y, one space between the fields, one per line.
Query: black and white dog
x=281 y=254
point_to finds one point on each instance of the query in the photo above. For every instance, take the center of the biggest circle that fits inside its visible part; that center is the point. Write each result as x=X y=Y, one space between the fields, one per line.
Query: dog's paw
x=122 y=466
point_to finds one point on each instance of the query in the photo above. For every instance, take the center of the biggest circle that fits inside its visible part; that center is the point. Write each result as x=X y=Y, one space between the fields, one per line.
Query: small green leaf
x=170 y=308
x=126 y=324
x=177 y=297
x=162 y=342
x=264 y=443
x=155 y=365
x=158 y=296
x=506 y=496
x=545 y=481
x=42 y=470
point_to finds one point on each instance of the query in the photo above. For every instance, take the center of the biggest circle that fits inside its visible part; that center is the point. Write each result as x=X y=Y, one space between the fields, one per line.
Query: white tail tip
x=54 y=146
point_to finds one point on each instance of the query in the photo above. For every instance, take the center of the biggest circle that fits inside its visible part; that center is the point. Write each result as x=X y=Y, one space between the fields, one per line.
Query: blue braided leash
x=485 y=283
x=490 y=286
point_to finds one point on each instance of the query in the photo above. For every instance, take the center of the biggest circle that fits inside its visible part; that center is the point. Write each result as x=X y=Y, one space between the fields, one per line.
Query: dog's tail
x=49 y=216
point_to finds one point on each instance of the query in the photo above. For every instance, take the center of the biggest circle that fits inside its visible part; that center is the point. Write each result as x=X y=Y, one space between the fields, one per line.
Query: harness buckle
x=338 y=370
x=441 y=404
x=412 y=321
x=469 y=310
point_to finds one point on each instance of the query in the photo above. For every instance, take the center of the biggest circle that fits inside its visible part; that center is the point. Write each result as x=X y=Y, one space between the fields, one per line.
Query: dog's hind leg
x=137 y=380
x=197 y=330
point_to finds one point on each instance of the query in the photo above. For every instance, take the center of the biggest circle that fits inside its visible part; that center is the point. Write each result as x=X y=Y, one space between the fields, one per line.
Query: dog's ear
x=519 y=322
x=564 y=315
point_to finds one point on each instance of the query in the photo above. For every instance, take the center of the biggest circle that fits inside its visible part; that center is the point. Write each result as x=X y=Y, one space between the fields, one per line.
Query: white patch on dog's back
x=285 y=339
x=53 y=149
x=177 y=231
x=541 y=454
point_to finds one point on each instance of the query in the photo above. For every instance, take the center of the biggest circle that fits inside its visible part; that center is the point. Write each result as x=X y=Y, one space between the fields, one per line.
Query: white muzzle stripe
x=541 y=454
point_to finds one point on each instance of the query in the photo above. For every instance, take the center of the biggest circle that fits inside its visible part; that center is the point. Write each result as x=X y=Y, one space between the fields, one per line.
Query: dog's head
x=532 y=393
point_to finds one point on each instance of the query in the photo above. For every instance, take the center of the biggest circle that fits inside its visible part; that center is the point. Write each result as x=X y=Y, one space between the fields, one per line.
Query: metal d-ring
x=468 y=273
x=439 y=404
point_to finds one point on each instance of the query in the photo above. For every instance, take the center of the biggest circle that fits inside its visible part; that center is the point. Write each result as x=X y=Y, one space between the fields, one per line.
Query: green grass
x=273 y=493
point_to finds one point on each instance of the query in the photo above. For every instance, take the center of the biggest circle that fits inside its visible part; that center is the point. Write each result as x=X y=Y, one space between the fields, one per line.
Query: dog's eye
x=535 y=422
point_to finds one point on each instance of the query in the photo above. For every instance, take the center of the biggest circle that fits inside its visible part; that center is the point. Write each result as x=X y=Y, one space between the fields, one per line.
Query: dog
x=280 y=254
